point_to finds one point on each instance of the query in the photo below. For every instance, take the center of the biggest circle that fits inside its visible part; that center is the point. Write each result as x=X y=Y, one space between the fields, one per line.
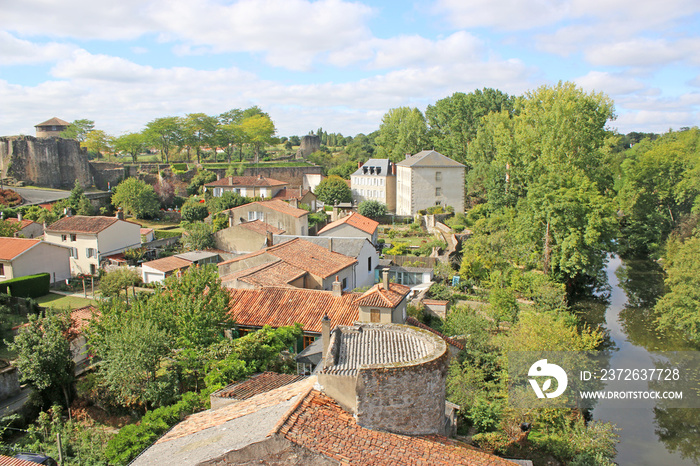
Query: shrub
x=193 y=211
x=30 y=286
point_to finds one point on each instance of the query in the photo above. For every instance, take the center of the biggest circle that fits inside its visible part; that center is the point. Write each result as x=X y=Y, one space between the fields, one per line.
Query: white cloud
x=611 y=84
x=507 y=15
x=14 y=51
x=640 y=52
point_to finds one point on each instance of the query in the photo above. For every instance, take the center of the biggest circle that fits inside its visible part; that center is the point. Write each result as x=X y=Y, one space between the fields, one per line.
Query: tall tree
x=333 y=190
x=98 y=142
x=164 y=133
x=198 y=130
x=136 y=198
x=131 y=143
x=455 y=120
x=258 y=130
x=78 y=130
x=403 y=131
x=229 y=133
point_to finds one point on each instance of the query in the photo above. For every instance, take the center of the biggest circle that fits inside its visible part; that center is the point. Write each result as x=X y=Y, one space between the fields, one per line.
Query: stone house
x=277 y=213
x=92 y=239
x=375 y=180
x=51 y=128
x=298 y=196
x=353 y=225
x=27 y=228
x=245 y=237
x=158 y=270
x=247 y=186
x=429 y=179
x=21 y=256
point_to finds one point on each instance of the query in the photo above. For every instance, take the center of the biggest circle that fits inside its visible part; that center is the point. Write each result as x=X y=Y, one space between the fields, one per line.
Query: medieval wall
x=45 y=162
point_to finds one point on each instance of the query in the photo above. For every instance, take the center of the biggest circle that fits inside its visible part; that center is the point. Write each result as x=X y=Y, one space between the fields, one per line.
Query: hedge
x=30 y=286
x=161 y=234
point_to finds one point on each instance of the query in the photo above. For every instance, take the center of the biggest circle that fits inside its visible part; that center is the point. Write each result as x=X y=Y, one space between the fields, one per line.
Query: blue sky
x=338 y=64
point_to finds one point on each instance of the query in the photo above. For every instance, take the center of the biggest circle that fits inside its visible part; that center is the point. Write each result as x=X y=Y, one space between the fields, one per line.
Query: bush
x=372 y=209
x=160 y=234
x=497 y=442
x=30 y=286
x=194 y=211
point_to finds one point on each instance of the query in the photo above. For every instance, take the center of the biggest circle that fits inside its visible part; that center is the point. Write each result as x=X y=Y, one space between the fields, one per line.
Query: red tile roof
x=54 y=122
x=288 y=193
x=416 y=323
x=356 y=220
x=304 y=255
x=257 y=384
x=168 y=264
x=80 y=318
x=245 y=182
x=13 y=247
x=279 y=306
x=261 y=227
x=269 y=274
x=380 y=297
x=24 y=223
x=322 y=426
x=82 y=224
x=7 y=461
x=277 y=205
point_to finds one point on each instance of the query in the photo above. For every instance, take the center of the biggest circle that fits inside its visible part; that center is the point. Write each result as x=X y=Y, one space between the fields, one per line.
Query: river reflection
x=653 y=435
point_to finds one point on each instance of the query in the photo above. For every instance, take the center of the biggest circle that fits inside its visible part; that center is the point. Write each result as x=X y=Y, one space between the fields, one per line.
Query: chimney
x=393 y=169
x=359 y=164
x=337 y=290
x=19 y=216
x=269 y=241
x=260 y=177
x=325 y=335
x=294 y=202
x=230 y=180
x=230 y=218
x=385 y=278
x=330 y=244
x=408 y=155
x=120 y=214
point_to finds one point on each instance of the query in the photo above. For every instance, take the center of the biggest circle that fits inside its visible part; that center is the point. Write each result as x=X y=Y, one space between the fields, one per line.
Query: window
x=64 y=237
x=254 y=216
x=93 y=269
x=73 y=237
x=438 y=176
x=74 y=253
x=345 y=283
x=90 y=252
x=375 y=315
x=369 y=264
x=2 y=269
x=308 y=340
x=438 y=191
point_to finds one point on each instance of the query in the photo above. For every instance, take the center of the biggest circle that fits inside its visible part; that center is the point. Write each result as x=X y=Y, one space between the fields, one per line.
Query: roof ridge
x=302 y=397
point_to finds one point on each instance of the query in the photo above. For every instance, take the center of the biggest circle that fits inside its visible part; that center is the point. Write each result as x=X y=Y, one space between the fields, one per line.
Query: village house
x=352 y=225
x=359 y=248
x=245 y=237
x=247 y=186
x=298 y=196
x=375 y=180
x=20 y=257
x=158 y=270
x=277 y=213
x=92 y=240
x=27 y=228
x=429 y=179
x=297 y=262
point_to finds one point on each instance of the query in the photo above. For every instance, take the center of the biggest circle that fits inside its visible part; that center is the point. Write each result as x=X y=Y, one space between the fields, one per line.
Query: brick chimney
x=359 y=164
x=337 y=289
x=325 y=335
x=269 y=240
x=120 y=214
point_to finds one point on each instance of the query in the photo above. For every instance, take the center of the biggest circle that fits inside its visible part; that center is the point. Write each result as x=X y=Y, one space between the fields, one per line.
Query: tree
x=112 y=283
x=78 y=130
x=455 y=120
x=136 y=198
x=199 y=129
x=44 y=359
x=333 y=190
x=193 y=210
x=403 y=131
x=372 y=209
x=197 y=236
x=200 y=179
x=164 y=133
x=8 y=229
x=131 y=143
x=258 y=130
x=97 y=142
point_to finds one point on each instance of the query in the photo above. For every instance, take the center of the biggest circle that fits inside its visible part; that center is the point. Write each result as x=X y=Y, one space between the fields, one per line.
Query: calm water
x=652 y=435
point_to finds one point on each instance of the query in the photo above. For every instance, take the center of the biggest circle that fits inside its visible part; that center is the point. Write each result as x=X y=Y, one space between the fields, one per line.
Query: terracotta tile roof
x=80 y=318
x=7 y=461
x=416 y=323
x=356 y=220
x=54 y=122
x=13 y=247
x=277 y=205
x=288 y=193
x=322 y=426
x=440 y=302
x=168 y=264
x=270 y=274
x=212 y=418
x=378 y=296
x=280 y=306
x=82 y=224
x=261 y=227
x=245 y=182
x=24 y=223
x=145 y=231
x=304 y=255
x=257 y=384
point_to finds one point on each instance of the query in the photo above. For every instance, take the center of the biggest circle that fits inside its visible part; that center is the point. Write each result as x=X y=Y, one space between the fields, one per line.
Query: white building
x=93 y=239
x=247 y=186
x=429 y=179
x=20 y=257
x=375 y=180
x=353 y=225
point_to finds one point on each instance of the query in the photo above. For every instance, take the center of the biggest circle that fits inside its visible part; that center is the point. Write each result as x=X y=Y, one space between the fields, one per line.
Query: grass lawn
x=62 y=302
x=156 y=224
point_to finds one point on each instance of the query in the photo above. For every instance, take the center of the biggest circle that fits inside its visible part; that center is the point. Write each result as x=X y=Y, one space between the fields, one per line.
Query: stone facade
x=45 y=162
x=9 y=382
x=429 y=179
x=309 y=144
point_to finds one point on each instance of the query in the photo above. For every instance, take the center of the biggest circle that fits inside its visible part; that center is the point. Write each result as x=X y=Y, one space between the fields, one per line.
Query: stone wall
x=9 y=383
x=107 y=175
x=309 y=144
x=46 y=162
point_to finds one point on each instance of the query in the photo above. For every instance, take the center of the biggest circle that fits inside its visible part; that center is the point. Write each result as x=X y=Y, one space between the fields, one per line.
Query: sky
x=336 y=64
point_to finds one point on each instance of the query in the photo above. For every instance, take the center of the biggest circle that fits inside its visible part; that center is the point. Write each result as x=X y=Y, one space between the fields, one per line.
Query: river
x=651 y=435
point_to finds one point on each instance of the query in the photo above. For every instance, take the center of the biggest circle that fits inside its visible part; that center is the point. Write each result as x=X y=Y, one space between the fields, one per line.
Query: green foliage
x=198 y=236
x=679 y=308
x=317 y=217
x=8 y=229
x=44 y=358
x=161 y=234
x=200 y=179
x=333 y=190
x=550 y=331
x=131 y=143
x=136 y=198
x=399 y=249
x=193 y=210
x=112 y=283
x=227 y=200
x=403 y=131
x=503 y=305
x=133 y=439
x=578 y=442
x=29 y=286
x=78 y=130
x=372 y=209
x=164 y=133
